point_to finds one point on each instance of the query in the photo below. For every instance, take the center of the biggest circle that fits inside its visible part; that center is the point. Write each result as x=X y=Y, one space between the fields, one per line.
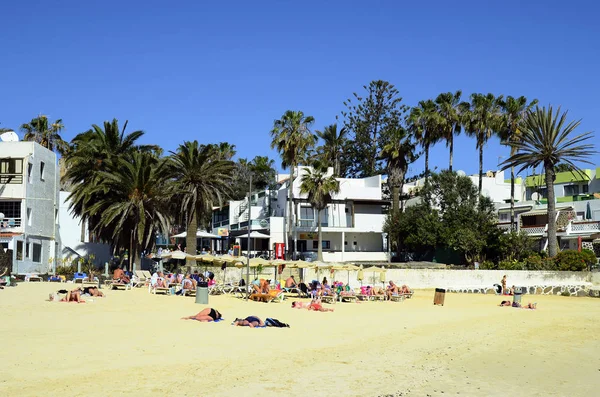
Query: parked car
x=308 y=256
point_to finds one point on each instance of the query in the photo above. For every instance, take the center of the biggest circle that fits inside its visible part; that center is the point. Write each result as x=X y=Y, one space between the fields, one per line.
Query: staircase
x=242 y=212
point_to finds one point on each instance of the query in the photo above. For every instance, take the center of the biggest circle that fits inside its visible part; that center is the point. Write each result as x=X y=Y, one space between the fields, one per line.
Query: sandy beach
x=134 y=343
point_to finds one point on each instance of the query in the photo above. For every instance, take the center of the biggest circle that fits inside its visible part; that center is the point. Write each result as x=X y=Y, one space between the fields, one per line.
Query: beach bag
x=273 y=322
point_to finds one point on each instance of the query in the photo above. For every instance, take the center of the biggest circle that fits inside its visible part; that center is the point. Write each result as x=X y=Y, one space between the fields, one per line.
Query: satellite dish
x=535 y=196
x=9 y=136
x=461 y=173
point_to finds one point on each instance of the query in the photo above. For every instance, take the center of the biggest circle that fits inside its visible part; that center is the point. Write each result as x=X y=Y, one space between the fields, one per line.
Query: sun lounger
x=328 y=298
x=261 y=297
x=347 y=298
x=119 y=285
x=398 y=298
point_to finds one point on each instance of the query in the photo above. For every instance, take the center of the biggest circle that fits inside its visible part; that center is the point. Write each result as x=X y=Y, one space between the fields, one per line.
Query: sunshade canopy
x=254 y=235
x=199 y=233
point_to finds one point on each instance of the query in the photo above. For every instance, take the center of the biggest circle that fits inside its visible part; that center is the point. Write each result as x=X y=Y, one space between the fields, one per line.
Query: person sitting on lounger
x=205 y=316
x=377 y=291
x=392 y=290
x=404 y=289
x=187 y=284
x=261 y=286
x=120 y=277
x=290 y=282
x=250 y=321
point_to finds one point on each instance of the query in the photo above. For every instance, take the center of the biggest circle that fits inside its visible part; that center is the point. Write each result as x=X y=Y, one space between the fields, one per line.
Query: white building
x=351 y=225
x=29 y=188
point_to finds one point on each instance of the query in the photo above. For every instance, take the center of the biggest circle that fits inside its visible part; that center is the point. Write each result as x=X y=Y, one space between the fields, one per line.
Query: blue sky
x=223 y=71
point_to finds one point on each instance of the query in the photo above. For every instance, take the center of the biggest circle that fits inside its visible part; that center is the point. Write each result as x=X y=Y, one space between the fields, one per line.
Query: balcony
x=585 y=227
x=11 y=179
x=537 y=230
x=10 y=224
x=505 y=226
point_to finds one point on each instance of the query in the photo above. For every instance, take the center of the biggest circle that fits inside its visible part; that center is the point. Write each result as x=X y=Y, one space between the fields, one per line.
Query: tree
x=263 y=173
x=40 y=130
x=368 y=121
x=136 y=206
x=398 y=152
x=201 y=178
x=546 y=139
x=332 y=150
x=319 y=189
x=450 y=120
x=291 y=136
x=513 y=114
x=562 y=167
x=481 y=118
x=423 y=122
x=89 y=154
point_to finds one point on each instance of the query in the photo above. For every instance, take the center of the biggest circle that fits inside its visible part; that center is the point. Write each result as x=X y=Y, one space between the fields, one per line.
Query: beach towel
x=273 y=322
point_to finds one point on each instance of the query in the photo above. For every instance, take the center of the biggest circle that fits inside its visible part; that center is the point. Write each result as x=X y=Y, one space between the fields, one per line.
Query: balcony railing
x=585 y=226
x=8 y=223
x=537 y=229
x=505 y=226
x=11 y=179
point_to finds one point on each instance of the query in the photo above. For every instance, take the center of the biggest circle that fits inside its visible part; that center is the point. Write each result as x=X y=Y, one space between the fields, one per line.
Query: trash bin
x=440 y=295
x=202 y=293
x=517 y=297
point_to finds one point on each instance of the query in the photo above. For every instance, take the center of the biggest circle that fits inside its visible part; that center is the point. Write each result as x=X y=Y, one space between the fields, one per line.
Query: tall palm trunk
x=451 y=143
x=290 y=213
x=426 y=161
x=395 y=197
x=512 y=199
x=320 y=248
x=480 y=167
x=552 y=242
x=190 y=239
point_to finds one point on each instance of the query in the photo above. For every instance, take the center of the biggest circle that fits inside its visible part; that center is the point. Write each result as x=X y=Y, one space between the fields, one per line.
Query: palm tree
x=40 y=130
x=423 y=123
x=319 y=189
x=334 y=143
x=448 y=109
x=92 y=152
x=398 y=153
x=201 y=179
x=546 y=140
x=264 y=175
x=481 y=118
x=137 y=206
x=514 y=111
x=292 y=138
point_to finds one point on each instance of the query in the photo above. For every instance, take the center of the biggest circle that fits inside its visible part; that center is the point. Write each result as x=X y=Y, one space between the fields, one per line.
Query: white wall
x=368 y=218
x=70 y=236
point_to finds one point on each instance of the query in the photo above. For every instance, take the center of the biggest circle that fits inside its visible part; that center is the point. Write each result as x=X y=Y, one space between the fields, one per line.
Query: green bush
x=511 y=265
x=571 y=260
x=534 y=262
x=66 y=270
x=488 y=265
x=589 y=257
x=548 y=264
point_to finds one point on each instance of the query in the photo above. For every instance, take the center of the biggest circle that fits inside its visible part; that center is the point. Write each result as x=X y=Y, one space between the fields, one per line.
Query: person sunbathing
x=404 y=289
x=92 y=291
x=505 y=303
x=187 y=284
x=290 y=282
x=205 y=316
x=392 y=290
x=300 y=305
x=250 y=321
x=316 y=306
x=119 y=276
x=377 y=291
x=70 y=296
x=161 y=280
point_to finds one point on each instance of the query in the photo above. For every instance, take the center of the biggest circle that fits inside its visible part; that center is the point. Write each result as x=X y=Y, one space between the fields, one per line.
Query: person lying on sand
x=205 y=316
x=300 y=305
x=92 y=291
x=316 y=306
x=250 y=321
x=70 y=296
x=517 y=304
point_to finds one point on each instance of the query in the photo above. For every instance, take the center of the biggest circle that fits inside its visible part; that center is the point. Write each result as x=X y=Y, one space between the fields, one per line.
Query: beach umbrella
x=318 y=265
x=374 y=269
x=588 y=211
x=277 y=263
x=348 y=267
x=360 y=276
x=382 y=276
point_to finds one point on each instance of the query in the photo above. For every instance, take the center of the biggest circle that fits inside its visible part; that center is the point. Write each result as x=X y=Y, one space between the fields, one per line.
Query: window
x=571 y=190
x=29 y=216
x=27 y=251
x=37 y=253
x=42 y=168
x=56 y=217
x=585 y=189
x=307 y=216
x=504 y=217
x=10 y=209
x=11 y=171
x=325 y=244
x=19 y=250
x=29 y=172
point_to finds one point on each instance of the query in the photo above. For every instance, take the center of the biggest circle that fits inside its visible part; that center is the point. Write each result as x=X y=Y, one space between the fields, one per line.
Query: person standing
x=503 y=282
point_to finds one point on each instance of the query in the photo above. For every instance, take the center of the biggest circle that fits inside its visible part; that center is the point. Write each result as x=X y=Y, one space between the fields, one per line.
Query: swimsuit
x=316 y=306
x=252 y=319
x=213 y=314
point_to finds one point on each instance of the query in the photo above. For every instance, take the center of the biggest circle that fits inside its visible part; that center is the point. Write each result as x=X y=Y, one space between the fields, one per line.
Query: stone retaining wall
x=573 y=290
